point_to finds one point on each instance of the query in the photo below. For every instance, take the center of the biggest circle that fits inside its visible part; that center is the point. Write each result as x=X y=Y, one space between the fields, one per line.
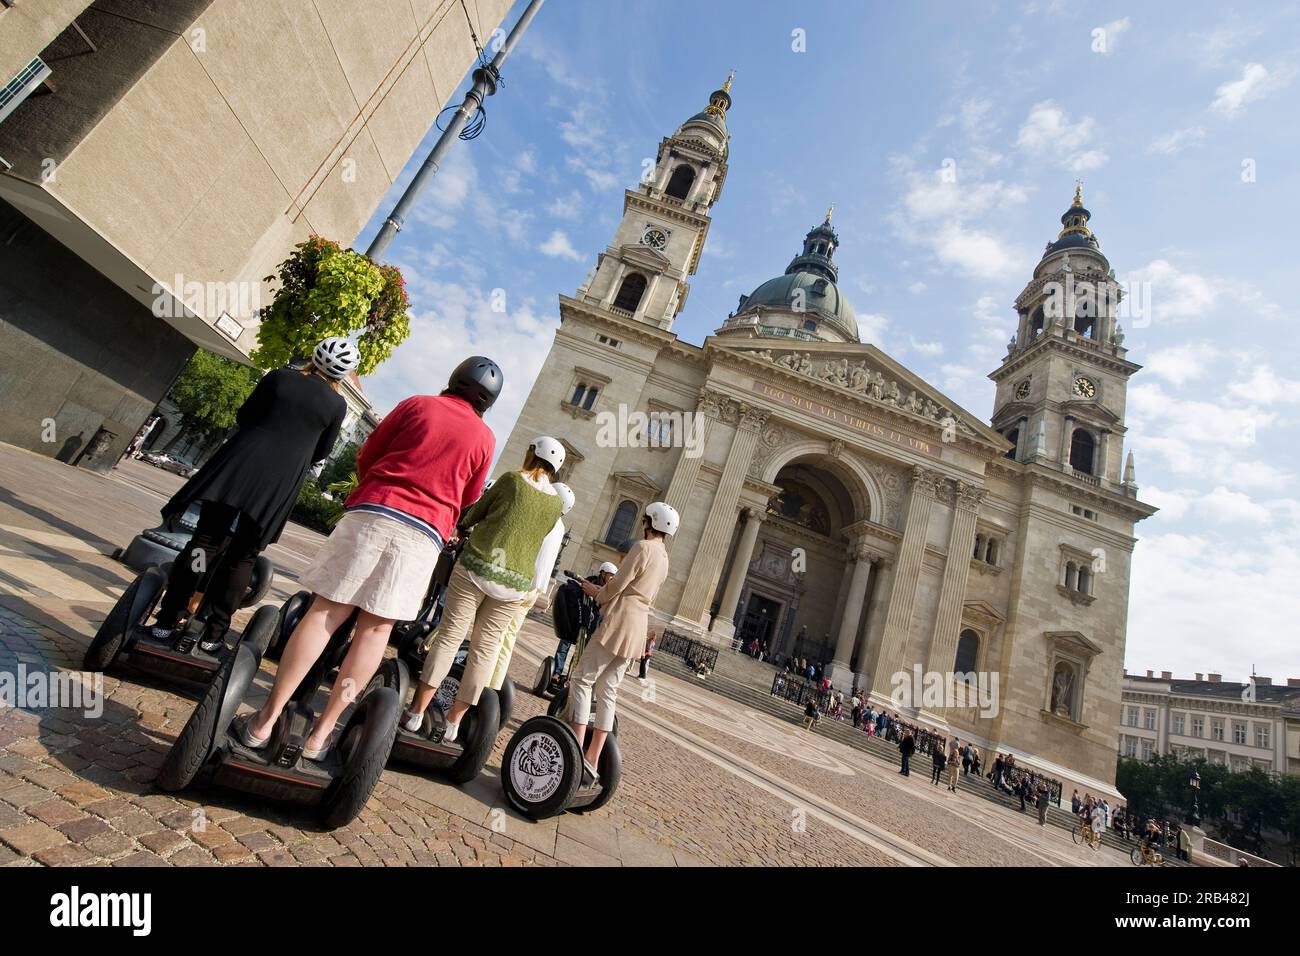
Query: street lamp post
x=1194 y=817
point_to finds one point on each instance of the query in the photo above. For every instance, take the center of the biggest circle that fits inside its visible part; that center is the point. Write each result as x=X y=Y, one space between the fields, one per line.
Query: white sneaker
x=411 y=721
x=449 y=733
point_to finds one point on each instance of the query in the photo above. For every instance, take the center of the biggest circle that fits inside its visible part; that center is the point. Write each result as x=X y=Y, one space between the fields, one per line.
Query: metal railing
x=679 y=645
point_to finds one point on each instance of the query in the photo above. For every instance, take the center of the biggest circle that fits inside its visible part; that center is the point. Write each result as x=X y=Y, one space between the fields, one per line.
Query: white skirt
x=379 y=564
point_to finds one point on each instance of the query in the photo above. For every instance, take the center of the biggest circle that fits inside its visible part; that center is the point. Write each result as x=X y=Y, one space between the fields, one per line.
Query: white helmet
x=567 y=498
x=549 y=450
x=663 y=517
x=609 y=566
x=336 y=357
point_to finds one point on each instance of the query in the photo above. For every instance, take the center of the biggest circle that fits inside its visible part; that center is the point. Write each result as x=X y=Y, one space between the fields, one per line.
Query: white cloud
x=558 y=246
x=1177 y=141
x=916 y=288
x=1223 y=505
x=926 y=348
x=1181 y=363
x=871 y=329
x=1255 y=82
x=1266 y=387
x=566 y=207
x=1048 y=133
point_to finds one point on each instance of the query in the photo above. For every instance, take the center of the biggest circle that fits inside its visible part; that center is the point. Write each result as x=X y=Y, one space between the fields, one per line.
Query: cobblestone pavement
x=705 y=781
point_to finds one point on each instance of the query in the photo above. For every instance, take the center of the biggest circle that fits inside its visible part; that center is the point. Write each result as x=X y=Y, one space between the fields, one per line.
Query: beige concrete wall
x=26 y=29
x=264 y=121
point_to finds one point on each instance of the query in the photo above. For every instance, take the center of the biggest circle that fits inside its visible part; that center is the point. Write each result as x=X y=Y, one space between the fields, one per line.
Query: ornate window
x=1013 y=436
x=988 y=549
x=630 y=292
x=679 y=186
x=1076 y=575
x=619 y=534
x=1036 y=323
x=1069 y=657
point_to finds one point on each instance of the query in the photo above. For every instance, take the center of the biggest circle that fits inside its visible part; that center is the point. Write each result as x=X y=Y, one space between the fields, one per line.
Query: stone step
x=724 y=683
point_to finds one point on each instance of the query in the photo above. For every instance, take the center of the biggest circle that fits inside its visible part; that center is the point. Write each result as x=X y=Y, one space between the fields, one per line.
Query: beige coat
x=626 y=598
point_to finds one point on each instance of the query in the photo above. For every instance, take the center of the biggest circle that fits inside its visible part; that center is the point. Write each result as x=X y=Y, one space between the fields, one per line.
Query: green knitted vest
x=509 y=524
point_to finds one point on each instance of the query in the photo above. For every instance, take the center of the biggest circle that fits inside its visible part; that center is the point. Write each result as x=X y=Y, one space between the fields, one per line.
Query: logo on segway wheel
x=537 y=767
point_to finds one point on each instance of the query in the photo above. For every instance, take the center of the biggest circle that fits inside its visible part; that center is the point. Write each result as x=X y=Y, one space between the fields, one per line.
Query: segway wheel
x=132 y=608
x=543 y=678
x=610 y=770
x=259 y=582
x=542 y=768
x=290 y=614
x=392 y=673
x=506 y=700
x=198 y=739
x=261 y=630
x=480 y=726
x=364 y=748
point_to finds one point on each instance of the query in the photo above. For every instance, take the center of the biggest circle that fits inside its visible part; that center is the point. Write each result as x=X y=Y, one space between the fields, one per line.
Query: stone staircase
x=740 y=678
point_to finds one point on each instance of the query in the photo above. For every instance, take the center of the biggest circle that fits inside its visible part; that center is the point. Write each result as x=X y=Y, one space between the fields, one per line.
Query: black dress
x=289 y=422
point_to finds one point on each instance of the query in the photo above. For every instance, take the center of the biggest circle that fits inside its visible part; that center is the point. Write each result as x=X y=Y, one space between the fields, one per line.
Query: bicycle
x=1084 y=833
x=1143 y=855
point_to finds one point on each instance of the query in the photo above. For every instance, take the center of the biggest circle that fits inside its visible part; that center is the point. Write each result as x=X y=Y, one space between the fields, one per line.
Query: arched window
x=1072 y=576
x=630 y=292
x=1013 y=436
x=979 y=546
x=1036 y=323
x=991 y=551
x=578 y=393
x=1082 y=448
x=968 y=652
x=590 y=399
x=620 y=529
x=810 y=325
x=1084 y=324
x=1085 y=579
x=679 y=186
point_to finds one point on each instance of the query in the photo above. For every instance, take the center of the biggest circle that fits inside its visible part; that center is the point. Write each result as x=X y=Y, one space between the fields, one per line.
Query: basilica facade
x=837 y=507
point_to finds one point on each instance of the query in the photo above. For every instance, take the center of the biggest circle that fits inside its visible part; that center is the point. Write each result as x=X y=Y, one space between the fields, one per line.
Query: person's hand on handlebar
x=589 y=589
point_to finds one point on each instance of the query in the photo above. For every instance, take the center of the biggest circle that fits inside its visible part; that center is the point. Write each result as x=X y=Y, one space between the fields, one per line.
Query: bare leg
x=360 y=664
x=305 y=647
x=579 y=730
x=596 y=746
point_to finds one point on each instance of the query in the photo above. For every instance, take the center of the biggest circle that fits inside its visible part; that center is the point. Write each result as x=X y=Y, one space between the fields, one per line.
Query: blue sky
x=1179 y=118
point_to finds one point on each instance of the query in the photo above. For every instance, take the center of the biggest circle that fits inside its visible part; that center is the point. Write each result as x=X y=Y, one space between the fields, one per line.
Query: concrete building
x=1243 y=725
x=159 y=160
x=835 y=505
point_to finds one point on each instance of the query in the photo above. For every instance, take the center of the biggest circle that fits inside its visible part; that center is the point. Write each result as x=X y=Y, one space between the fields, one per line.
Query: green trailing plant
x=325 y=290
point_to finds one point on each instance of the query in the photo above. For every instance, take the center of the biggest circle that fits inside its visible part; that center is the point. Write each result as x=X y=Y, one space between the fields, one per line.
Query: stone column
x=608 y=299
x=1067 y=432
x=639 y=314
x=1103 y=443
x=907 y=576
x=1022 y=438
x=724 y=625
x=845 y=579
x=707 y=563
x=952 y=593
x=682 y=486
x=882 y=579
x=841 y=674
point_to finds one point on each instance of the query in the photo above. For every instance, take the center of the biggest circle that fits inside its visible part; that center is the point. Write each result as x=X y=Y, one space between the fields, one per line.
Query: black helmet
x=478 y=380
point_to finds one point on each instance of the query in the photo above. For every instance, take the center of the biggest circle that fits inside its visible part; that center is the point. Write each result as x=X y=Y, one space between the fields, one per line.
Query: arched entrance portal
x=790 y=569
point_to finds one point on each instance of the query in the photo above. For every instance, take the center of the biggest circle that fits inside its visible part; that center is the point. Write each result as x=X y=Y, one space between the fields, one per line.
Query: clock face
x=1022 y=390
x=1084 y=388
x=655 y=238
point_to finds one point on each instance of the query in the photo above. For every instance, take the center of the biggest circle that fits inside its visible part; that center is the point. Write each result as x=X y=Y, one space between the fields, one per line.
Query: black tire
x=506 y=700
x=610 y=770
x=260 y=583
x=543 y=679
x=1135 y=856
x=364 y=747
x=480 y=727
x=392 y=673
x=1077 y=835
x=195 y=744
x=261 y=630
x=537 y=791
x=108 y=639
x=290 y=614
x=409 y=647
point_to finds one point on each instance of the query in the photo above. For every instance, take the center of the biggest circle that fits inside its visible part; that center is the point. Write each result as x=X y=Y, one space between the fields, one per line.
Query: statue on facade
x=895 y=395
x=931 y=409
x=859 y=377
x=878 y=386
x=1119 y=335
x=1062 y=683
x=805 y=366
x=837 y=373
x=789 y=360
x=913 y=403
x=1011 y=344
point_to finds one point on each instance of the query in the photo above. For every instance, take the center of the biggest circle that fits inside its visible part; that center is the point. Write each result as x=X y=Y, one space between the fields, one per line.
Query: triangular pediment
x=637 y=480
x=644 y=256
x=864 y=373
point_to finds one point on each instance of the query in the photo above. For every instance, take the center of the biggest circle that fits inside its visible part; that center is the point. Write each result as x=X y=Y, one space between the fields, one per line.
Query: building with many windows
x=1251 y=724
x=834 y=504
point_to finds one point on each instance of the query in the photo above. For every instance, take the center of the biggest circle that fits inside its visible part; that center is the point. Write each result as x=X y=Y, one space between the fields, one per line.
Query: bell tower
x=1061 y=388
x=642 y=274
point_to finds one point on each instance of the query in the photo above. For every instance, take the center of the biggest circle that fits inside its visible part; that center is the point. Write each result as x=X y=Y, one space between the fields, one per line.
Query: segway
x=542 y=768
x=209 y=751
x=572 y=614
x=124 y=636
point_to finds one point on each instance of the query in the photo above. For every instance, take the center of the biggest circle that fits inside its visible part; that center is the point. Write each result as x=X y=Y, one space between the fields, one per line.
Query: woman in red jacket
x=424 y=464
